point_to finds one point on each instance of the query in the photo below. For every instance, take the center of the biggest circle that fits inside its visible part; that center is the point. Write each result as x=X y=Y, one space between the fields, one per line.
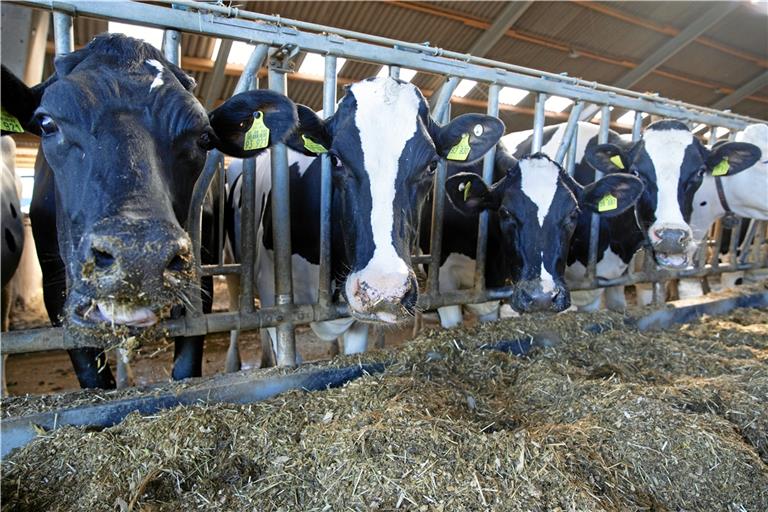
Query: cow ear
x=312 y=136
x=19 y=103
x=731 y=158
x=606 y=158
x=469 y=194
x=248 y=123
x=612 y=194
x=468 y=137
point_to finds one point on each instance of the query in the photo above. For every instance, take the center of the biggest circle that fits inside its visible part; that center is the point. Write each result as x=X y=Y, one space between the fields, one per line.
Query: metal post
x=488 y=165
x=63 y=34
x=326 y=187
x=438 y=211
x=171 y=45
x=570 y=130
x=538 y=122
x=281 y=225
x=441 y=100
x=637 y=126
x=394 y=71
x=594 y=227
x=572 y=147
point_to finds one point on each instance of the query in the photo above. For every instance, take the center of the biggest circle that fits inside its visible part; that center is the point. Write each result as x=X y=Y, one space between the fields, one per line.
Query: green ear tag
x=721 y=169
x=607 y=203
x=467 y=186
x=9 y=123
x=616 y=160
x=313 y=146
x=257 y=136
x=461 y=150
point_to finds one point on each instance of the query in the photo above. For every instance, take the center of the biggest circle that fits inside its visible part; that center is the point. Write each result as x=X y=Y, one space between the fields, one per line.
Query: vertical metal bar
x=733 y=247
x=538 y=122
x=594 y=227
x=572 y=147
x=171 y=45
x=281 y=225
x=748 y=243
x=441 y=100
x=394 y=71
x=438 y=214
x=570 y=129
x=637 y=126
x=488 y=165
x=326 y=187
x=63 y=34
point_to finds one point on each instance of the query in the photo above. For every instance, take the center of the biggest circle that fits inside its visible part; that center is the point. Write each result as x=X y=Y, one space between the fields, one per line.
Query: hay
x=619 y=420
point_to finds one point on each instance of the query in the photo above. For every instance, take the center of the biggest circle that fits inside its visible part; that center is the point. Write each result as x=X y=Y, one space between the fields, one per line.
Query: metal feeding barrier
x=277 y=41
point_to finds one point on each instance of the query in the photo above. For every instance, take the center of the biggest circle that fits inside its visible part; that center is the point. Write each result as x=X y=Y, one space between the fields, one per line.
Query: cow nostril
x=177 y=264
x=102 y=259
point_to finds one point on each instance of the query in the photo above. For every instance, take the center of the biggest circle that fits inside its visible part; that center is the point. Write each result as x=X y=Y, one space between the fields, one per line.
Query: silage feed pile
x=614 y=420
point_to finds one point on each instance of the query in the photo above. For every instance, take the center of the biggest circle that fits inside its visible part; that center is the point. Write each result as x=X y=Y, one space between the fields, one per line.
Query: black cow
x=123 y=141
x=534 y=206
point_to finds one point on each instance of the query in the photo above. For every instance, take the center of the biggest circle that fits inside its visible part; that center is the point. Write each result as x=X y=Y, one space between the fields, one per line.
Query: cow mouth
x=104 y=313
x=673 y=261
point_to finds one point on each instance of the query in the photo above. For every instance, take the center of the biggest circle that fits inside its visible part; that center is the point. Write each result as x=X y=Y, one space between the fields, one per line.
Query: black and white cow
x=534 y=207
x=12 y=225
x=385 y=148
x=123 y=141
x=671 y=163
x=745 y=194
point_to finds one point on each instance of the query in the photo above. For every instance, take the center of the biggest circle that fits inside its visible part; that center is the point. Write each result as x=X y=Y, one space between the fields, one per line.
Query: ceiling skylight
x=153 y=36
x=314 y=64
x=557 y=103
x=406 y=75
x=628 y=118
x=464 y=87
x=512 y=95
x=238 y=54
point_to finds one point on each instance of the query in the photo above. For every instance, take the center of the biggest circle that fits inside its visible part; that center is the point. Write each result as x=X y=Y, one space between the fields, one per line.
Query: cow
x=123 y=141
x=384 y=148
x=534 y=206
x=744 y=194
x=671 y=163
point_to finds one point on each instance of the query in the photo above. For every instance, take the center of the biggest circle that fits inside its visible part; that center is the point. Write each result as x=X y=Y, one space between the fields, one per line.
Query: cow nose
x=671 y=240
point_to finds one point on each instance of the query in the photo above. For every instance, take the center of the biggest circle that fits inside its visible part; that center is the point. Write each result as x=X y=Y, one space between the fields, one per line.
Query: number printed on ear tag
x=607 y=203
x=461 y=150
x=257 y=136
x=9 y=123
x=721 y=169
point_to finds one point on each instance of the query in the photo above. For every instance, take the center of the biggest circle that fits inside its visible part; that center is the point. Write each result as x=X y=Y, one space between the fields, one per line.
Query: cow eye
x=505 y=214
x=47 y=125
x=204 y=141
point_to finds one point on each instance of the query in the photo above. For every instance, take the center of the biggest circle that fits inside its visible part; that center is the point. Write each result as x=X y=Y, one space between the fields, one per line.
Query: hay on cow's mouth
x=620 y=420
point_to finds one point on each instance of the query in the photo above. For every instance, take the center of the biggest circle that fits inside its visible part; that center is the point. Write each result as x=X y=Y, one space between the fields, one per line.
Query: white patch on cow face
x=387 y=118
x=158 y=81
x=666 y=149
x=539 y=181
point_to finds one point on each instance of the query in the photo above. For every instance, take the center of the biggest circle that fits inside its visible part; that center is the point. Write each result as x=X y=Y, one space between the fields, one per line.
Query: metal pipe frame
x=269 y=31
x=438 y=210
x=325 y=293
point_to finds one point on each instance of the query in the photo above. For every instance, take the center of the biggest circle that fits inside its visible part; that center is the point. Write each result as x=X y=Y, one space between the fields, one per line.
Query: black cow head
x=537 y=205
x=126 y=140
x=671 y=162
x=385 y=148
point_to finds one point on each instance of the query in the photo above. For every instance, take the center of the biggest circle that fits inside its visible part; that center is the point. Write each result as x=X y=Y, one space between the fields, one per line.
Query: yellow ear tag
x=313 y=146
x=607 y=203
x=616 y=160
x=461 y=150
x=721 y=169
x=257 y=136
x=467 y=186
x=9 y=123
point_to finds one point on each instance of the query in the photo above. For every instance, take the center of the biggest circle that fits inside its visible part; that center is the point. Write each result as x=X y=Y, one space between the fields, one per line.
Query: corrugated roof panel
x=744 y=28
x=710 y=65
x=485 y=10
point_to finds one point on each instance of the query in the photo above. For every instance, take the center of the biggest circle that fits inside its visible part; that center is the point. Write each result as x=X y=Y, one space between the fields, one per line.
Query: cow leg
x=355 y=338
x=615 y=300
x=188 y=351
x=450 y=316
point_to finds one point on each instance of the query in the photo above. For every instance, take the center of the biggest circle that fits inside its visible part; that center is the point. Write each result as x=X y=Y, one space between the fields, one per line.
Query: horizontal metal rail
x=288 y=37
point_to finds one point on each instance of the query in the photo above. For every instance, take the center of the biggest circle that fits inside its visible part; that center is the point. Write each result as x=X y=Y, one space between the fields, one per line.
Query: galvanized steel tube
x=538 y=122
x=488 y=165
x=326 y=186
x=570 y=130
x=63 y=34
x=594 y=227
x=438 y=211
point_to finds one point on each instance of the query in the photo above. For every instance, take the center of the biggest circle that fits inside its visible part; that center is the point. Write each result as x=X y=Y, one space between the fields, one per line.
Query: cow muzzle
x=383 y=299
x=529 y=297
x=130 y=270
x=672 y=247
